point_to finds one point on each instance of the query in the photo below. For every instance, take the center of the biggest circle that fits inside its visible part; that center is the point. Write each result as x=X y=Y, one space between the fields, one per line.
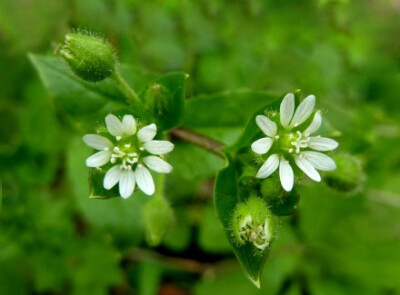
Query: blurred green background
x=54 y=240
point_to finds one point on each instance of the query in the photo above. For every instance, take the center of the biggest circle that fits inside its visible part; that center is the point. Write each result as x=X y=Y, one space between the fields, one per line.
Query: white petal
x=266 y=125
x=287 y=109
x=126 y=183
x=129 y=125
x=303 y=111
x=97 y=142
x=322 y=144
x=147 y=133
x=114 y=125
x=320 y=161
x=112 y=177
x=158 y=147
x=268 y=167
x=307 y=168
x=144 y=180
x=315 y=124
x=262 y=145
x=98 y=159
x=286 y=175
x=157 y=164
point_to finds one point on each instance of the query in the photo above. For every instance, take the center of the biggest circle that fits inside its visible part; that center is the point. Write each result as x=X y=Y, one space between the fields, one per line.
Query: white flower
x=290 y=143
x=131 y=154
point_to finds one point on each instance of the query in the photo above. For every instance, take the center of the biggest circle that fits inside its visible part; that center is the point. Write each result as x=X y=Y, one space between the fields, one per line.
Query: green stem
x=126 y=90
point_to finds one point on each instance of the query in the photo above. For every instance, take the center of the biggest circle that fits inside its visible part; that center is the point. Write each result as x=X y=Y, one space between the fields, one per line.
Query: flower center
x=127 y=154
x=293 y=142
x=255 y=234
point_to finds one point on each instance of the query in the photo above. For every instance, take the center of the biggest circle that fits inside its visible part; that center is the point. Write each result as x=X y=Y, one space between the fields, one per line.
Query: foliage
x=240 y=58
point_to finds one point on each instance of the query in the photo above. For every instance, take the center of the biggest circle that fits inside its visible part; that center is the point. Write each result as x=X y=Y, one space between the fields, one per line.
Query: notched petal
x=303 y=111
x=147 y=133
x=287 y=109
x=266 y=125
x=269 y=167
x=262 y=145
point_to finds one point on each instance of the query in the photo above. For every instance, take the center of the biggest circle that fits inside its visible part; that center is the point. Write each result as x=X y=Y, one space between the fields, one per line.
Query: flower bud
x=281 y=202
x=91 y=58
x=348 y=176
x=253 y=223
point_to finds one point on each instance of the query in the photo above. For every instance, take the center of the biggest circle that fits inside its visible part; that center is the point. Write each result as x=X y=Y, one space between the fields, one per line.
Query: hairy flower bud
x=348 y=177
x=253 y=223
x=281 y=202
x=91 y=58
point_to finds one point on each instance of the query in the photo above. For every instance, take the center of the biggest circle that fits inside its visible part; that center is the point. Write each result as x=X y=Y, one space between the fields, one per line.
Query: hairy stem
x=199 y=140
x=126 y=90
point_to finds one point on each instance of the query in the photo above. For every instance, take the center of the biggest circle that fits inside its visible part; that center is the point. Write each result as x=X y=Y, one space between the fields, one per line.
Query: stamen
x=118 y=138
x=127 y=145
x=141 y=148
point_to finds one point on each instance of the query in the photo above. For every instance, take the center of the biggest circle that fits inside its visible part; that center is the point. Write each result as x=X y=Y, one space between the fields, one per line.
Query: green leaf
x=164 y=99
x=79 y=99
x=97 y=190
x=157 y=217
x=226 y=196
x=228 y=109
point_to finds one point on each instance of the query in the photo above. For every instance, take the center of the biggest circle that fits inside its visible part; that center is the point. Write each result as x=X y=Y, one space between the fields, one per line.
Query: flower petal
x=286 y=175
x=126 y=183
x=112 y=177
x=262 y=145
x=307 y=168
x=97 y=142
x=266 y=125
x=287 y=109
x=157 y=164
x=98 y=159
x=147 y=133
x=303 y=111
x=322 y=144
x=128 y=125
x=158 y=147
x=114 y=125
x=144 y=180
x=320 y=161
x=269 y=167
x=315 y=124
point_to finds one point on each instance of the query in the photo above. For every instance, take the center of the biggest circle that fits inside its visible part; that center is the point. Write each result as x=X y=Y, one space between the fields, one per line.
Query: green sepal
x=226 y=197
x=90 y=57
x=97 y=190
x=164 y=99
x=281 y=202
x=157 y=217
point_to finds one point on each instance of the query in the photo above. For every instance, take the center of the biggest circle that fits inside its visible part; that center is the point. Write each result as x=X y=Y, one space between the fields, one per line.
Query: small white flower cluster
x=290 y=142
x=130 y=153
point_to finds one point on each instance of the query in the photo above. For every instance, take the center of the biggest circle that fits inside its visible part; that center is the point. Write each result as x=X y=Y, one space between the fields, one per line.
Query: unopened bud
x=348 y=176
x=91 y=58
x=252 y=222
x=281 y=202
